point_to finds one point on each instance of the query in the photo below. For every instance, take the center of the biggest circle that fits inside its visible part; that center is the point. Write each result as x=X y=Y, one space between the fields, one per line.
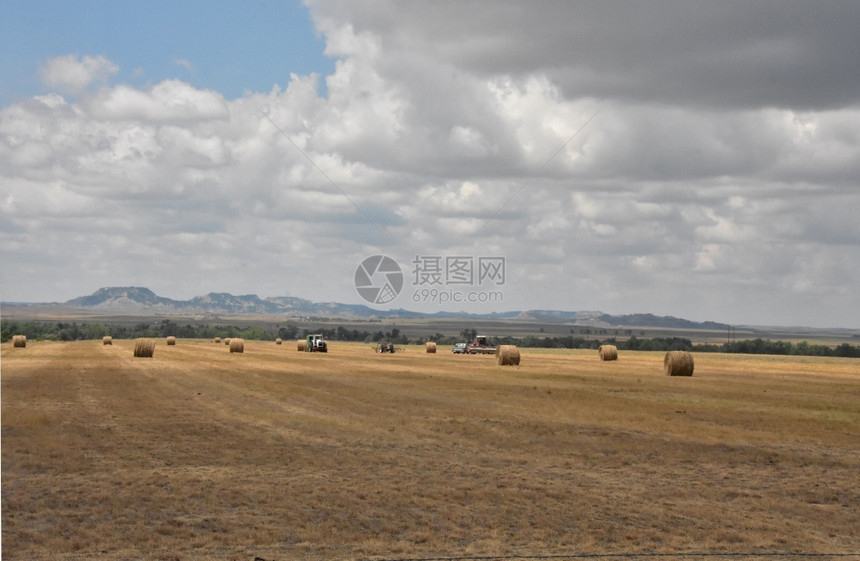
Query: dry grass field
x=198 y=453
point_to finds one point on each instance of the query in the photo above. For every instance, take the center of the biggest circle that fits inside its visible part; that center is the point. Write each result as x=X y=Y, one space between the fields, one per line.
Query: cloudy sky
x=695 y=159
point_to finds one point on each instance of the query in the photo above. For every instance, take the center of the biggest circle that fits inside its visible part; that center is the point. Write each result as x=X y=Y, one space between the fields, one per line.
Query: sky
x=688 y=158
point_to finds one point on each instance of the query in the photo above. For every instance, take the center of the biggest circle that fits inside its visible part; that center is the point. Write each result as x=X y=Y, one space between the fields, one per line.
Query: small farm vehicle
x=316 y=344
x=480 y=346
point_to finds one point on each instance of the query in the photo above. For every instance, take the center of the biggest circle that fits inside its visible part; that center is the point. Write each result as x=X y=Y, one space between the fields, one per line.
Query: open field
x=201 y=454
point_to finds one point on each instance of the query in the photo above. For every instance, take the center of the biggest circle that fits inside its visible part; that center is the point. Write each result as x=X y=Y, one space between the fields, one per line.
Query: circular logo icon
x=378 y=279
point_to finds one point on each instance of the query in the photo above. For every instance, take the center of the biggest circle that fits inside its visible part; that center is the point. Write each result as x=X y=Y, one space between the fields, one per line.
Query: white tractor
x=316 y=344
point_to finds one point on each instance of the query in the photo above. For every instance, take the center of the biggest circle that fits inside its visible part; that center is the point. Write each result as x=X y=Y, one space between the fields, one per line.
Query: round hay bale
x=171 y=340
x=507 y=355
x=107 y=340
x=608 y=352
x=227 y=341
x=678 y=363
x=19 y=341
x=302 y=345
x=237 y=345
x=217 y=339
x=278 y=341
x=144 y=348
x=430 y=347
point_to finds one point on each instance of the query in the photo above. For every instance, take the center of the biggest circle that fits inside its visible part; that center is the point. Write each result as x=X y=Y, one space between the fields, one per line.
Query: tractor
x=316 y=344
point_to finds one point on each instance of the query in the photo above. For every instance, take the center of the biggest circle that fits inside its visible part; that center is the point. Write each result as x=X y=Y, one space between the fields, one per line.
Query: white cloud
x=184 y=63
x=72 y=74
x=170 y=101
x=457 y=129
x=185 y=148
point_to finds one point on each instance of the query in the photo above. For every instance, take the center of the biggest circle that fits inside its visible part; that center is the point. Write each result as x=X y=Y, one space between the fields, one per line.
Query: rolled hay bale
x=430 y=347
x=507 y=355
x=19 y=341
x=217 y=339
x=144 y=348
x=278 y=341
x=237 y=345
x=302 y=345
x=608 y=352
x=227 y=341
x=678 y=363
x=107 y=340
x=171 y=340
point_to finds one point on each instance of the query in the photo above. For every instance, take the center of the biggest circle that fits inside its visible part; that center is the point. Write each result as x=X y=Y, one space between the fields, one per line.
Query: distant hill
x=139 y=299
x=122 y=297
x=136 y=299
x=650 y=320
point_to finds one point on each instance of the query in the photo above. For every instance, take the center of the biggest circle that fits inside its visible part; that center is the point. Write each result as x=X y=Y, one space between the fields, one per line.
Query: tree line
x=751 y=346
x=74 y=331
x=65 y=331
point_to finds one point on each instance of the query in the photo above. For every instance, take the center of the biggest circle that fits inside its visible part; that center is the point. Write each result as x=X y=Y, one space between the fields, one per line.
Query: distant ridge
x=136 y=299
x=650 y=320
x=140 y=299
x=121 y=295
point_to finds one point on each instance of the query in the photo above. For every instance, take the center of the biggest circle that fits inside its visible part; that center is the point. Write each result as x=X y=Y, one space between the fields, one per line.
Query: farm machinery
x=480 y=346
x=316 y=344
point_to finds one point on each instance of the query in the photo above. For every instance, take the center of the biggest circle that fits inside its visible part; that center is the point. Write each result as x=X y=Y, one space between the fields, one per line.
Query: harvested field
x=197 y=454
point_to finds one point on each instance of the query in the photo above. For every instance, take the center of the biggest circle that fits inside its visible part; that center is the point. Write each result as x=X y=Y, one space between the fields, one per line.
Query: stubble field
x=201 y=454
